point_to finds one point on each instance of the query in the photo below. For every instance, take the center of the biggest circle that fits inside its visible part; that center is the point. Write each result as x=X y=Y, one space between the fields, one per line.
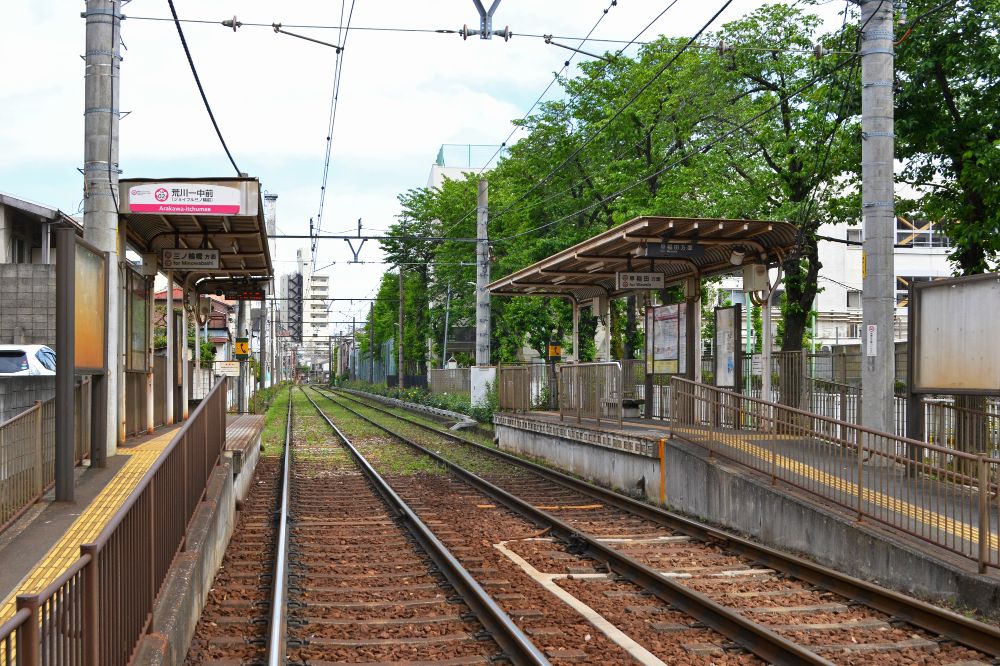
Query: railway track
x=333 y=567
x=779 y=607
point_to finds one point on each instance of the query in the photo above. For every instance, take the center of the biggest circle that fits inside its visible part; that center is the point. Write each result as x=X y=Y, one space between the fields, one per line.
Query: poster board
x=728 y=371
x=666 y=340
x=90 y=288
x=954 y=325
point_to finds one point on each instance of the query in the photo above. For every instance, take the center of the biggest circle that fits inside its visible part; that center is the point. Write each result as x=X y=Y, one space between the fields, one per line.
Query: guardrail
x=946 y=497
x=98 y=609
x=28 y=452
x=591 y=390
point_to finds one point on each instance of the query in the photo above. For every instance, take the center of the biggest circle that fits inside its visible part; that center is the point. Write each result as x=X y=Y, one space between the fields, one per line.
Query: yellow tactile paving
x=89 y=524
x=920 y=514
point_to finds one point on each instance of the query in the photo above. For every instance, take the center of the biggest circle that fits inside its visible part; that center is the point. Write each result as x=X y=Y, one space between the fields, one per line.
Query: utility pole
x=444 y=340
x=100 y=194
x=241 y=330
x=482 y=276
x=399 y=354
x=878 y=210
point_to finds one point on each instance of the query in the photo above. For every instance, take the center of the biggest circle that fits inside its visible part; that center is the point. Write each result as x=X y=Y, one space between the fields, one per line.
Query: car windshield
x=13 y=361
x=47 y=358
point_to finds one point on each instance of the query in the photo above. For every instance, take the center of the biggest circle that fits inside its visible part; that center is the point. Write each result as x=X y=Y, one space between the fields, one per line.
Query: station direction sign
x=183 y=259
x=630 y=280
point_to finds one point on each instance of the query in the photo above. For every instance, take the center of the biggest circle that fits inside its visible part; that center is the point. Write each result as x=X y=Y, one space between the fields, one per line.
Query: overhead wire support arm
x=277 y=28
x=486 y=23
x=548 y=40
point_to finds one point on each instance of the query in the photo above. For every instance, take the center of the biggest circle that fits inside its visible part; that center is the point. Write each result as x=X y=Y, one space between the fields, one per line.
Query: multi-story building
x=305 y=312
x=921 y=254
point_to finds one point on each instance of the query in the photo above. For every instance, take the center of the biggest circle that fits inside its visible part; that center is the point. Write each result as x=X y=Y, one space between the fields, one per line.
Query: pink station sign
x=184 y=199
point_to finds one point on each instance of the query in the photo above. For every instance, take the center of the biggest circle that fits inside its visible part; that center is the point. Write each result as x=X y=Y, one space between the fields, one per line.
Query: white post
x=576 y=331
x=185 y=368
x=482 y=277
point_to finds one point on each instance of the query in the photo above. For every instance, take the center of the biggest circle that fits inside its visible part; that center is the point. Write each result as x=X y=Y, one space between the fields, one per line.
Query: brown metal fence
x=591 y=390
x=28 y=452
x=514 y=388
x=943 y=496
x=96 y=611
x=450 y=380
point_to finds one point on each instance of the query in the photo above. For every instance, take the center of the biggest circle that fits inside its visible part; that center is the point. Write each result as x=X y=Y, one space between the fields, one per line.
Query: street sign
x=242 y=348
x=180 y=258
x=185 y=199
x=639 y=280
x=228 y=368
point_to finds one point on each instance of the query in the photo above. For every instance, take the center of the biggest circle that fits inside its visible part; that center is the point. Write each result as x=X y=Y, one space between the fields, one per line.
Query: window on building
x=854 y=299
x=918 y=232
x=855 y=235
x=903 y=283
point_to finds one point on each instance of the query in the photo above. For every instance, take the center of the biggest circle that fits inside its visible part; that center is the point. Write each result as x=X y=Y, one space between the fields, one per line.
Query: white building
x=315 y=312
x=921 y=254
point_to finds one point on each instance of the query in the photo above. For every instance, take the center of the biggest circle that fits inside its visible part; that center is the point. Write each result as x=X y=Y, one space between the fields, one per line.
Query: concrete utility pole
x=100 y=188
x=399 y=355
x=241 y=330
x=878 y=209
x=482 y=276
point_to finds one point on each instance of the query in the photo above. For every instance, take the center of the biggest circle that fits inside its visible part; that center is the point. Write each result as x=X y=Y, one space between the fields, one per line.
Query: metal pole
x=185 y=368
x=262 y=351
x=482 y=276
x=444 y=342
x=241 y=325
x=100 y=190
x=65 y=362
x=765 y=355
x=400 y=382
x=169 y=319
x=878 y=211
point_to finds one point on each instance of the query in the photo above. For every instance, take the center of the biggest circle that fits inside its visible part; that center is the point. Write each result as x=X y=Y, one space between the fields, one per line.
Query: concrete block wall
x=28 y=304
x=19 y=393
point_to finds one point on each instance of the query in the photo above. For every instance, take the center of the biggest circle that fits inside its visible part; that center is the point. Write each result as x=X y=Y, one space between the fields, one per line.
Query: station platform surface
x=941 y=512
x=47 y=540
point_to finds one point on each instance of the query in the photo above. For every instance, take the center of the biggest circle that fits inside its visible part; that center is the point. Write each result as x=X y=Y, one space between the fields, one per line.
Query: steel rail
x=948 y=624
x=754 y=637
x=276 y=644
x=515 y=644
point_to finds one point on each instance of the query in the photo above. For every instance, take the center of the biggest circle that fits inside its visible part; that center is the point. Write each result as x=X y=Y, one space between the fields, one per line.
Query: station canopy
x=678 y=248
x=210 y=232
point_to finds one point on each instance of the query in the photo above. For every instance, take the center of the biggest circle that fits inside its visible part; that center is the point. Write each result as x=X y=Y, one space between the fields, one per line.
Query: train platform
x=47 y=539
x=913 y=532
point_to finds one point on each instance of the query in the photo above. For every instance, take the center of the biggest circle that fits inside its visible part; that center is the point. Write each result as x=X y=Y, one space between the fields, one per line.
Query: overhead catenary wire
x=334 y=103
x=666 y=167
x=201 y=89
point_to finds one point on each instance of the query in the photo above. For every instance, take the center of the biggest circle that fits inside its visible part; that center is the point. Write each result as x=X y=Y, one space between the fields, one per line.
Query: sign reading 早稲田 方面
x=184 y=199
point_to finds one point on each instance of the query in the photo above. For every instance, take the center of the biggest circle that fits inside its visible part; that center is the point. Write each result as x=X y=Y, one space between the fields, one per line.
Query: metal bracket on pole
x=356 y=252
x=485 y=22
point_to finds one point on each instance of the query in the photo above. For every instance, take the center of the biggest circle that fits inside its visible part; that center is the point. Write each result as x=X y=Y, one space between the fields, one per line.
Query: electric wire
x=638 y=93
x=702 y=149
x=201 y=90
x=334 y=103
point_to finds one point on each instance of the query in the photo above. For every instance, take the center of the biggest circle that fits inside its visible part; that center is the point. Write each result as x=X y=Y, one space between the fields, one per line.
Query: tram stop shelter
x=654 y=252
x=207 y=236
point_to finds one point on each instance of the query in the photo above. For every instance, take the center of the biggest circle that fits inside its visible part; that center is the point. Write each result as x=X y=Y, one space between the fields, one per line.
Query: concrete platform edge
x=724 y=495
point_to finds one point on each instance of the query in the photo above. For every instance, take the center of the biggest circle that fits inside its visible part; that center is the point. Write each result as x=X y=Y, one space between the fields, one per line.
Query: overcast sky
x=402 y=95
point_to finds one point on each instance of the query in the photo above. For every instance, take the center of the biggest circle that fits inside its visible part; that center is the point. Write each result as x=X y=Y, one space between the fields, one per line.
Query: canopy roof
x=680 y=248
x=224 y=214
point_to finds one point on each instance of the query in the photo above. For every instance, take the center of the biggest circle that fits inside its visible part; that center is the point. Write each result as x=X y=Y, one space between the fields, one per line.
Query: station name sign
x=639 y=280
x=668 y=250
x=185 y=199
x=181 y=258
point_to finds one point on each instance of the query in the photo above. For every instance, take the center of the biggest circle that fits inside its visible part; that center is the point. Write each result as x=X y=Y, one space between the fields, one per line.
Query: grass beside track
x=273 y=435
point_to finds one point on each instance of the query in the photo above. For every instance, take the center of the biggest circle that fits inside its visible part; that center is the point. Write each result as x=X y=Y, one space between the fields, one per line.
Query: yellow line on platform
x=926 y=516
x=91 y=522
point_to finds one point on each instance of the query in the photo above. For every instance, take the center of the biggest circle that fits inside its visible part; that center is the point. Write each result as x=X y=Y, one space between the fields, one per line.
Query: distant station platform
x=918 y=531
x=41 y=546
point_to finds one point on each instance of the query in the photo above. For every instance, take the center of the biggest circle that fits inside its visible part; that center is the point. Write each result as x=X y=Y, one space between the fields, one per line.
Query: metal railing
x=514 y=388
x=450 y=380
x=963 y=428
x=28 y=452
x=940 y=495
x=97 y=610
x=591 y=390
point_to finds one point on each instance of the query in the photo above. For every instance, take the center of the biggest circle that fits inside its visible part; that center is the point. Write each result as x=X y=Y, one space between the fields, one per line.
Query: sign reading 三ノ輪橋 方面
x=185 y=199
x=631 y=280
x=666 y=340
x=186 y=259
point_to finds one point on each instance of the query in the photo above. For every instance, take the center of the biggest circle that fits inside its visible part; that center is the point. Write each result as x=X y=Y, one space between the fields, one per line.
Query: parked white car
x=20 y=360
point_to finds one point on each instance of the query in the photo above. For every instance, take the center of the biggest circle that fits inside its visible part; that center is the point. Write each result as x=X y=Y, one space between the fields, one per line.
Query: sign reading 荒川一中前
x=185 y=199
